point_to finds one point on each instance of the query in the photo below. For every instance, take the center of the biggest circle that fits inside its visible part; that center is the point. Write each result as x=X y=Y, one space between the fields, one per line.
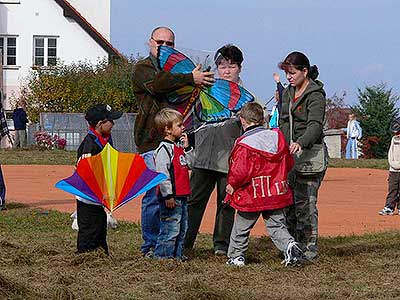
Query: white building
x=35 y=33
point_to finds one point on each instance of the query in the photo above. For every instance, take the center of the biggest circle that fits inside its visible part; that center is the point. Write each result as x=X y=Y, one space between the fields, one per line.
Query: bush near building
x=77 y=86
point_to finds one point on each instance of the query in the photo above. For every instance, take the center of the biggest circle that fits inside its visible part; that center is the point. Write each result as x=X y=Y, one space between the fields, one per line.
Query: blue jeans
x=150 y=211
x=173 y=229
x=351 y=149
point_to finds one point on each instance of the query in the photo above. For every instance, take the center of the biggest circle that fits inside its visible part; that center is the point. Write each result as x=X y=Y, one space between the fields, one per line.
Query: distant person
x=20 y=120
x=92 y=219
x=213 y=144
x=354 y=134
x=257 y=185
x=172 y=159
x=274 y=118
x=302 y=121
x=393 y=196
x=279 y=90
x=2 y=191
x=150 y=86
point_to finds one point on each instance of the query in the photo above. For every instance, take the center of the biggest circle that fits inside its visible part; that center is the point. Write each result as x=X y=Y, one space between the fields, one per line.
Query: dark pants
x=202 y=183
x=92 y=222
x=2 y=190
x=302 y=216
x=393 y=196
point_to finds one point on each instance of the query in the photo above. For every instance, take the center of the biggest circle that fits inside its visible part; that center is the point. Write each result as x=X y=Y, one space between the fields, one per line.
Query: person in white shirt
x=354 y=134
x=393 y=196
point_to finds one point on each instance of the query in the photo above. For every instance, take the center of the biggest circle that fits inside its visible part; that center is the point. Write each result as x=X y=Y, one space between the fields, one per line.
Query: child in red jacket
x=257 y=184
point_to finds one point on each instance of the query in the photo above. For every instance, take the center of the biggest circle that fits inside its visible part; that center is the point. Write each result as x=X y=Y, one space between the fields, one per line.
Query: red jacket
x=258 y=169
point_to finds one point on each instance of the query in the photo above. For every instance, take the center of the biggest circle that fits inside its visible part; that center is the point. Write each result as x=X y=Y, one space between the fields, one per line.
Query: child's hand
x=170 y=203
x=229 y=189
x=184 y=139
x=276 y=77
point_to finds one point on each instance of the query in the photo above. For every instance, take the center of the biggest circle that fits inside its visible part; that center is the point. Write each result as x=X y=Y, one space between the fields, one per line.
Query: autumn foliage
x=75 y=87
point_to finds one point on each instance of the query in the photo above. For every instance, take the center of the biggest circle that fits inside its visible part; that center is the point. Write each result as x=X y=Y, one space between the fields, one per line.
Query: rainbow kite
x=209 y=104
x=111 y=178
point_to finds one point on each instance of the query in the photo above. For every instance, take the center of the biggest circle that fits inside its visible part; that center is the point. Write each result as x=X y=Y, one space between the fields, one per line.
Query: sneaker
x=220 y=252
x=294 y=256
x=149 y=254
x=237 y=261
x=183 y=258
x=386 y=211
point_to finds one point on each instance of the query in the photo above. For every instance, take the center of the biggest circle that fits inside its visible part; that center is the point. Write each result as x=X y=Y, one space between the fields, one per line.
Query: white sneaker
x=237 y=261
x=386 y=211
x=294 y=256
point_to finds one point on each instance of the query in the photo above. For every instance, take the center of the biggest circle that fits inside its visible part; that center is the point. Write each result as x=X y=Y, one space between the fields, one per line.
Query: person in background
x=354 y=134
x=393 y=196
x=20 y=120
x=2 y=191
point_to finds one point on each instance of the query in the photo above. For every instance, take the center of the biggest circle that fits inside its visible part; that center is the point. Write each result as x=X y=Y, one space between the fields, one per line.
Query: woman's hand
x=294 y=148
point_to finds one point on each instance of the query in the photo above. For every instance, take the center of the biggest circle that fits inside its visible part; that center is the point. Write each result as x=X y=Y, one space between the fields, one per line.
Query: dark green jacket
x=150 y=86
x=308 y=115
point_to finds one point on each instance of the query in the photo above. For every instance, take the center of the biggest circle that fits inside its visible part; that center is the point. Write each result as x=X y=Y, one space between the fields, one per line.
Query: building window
x=44 y=51
x=8 y=50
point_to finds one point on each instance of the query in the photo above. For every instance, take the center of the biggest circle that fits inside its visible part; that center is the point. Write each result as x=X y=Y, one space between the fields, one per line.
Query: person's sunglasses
x=161 y=42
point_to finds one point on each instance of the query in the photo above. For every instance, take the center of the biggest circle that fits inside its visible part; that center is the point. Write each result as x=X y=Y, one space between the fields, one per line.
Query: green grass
x=359 y=163
x=37 y=261
x=33 y=156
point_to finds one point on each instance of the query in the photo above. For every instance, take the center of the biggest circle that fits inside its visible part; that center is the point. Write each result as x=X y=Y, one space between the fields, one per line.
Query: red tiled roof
x=71 y=12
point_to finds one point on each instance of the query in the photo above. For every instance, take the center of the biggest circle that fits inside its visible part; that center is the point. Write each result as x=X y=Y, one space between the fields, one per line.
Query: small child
x=172 y=160
x=393 y=196
x=92 y=219
x=257 y=184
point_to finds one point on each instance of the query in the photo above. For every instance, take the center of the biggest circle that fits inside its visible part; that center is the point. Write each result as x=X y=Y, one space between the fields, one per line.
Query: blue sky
x=354 y=43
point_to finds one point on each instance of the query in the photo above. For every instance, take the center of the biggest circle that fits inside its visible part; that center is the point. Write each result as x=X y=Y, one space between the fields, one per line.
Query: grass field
x=37 y=261
x=33 y=156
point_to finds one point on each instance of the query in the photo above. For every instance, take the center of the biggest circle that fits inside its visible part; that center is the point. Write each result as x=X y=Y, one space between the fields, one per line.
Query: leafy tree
x=375 y=111
x=336 y=111
x=77 y=86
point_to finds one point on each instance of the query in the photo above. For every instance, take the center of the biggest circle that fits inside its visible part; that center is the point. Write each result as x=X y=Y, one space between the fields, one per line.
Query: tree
x=77 y=86
x=336 y=111
x=376 y=110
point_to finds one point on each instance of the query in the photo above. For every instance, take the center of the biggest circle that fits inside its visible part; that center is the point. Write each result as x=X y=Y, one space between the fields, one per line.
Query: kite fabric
x=111 y=178
x=209 y=104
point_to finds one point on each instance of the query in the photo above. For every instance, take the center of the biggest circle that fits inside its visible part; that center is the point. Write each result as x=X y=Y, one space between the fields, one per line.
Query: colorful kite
x=111 y=178
x=215 y=103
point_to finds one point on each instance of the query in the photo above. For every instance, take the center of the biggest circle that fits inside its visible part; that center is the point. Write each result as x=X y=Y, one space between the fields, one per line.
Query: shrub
x=45 y=141
x=77 y=86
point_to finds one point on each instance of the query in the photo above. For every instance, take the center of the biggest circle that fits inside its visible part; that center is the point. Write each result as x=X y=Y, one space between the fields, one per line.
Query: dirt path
x=348 y=202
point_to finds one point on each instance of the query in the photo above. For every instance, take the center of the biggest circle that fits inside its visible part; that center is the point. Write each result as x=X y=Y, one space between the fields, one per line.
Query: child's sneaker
x=294 y=256
x=149 y=254
x=237 y=261
x=386 y=211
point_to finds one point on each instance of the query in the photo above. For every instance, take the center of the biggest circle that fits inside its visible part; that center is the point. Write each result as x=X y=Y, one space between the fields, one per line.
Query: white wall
x=97 y=13
x=43 y=17
x=333 y=140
